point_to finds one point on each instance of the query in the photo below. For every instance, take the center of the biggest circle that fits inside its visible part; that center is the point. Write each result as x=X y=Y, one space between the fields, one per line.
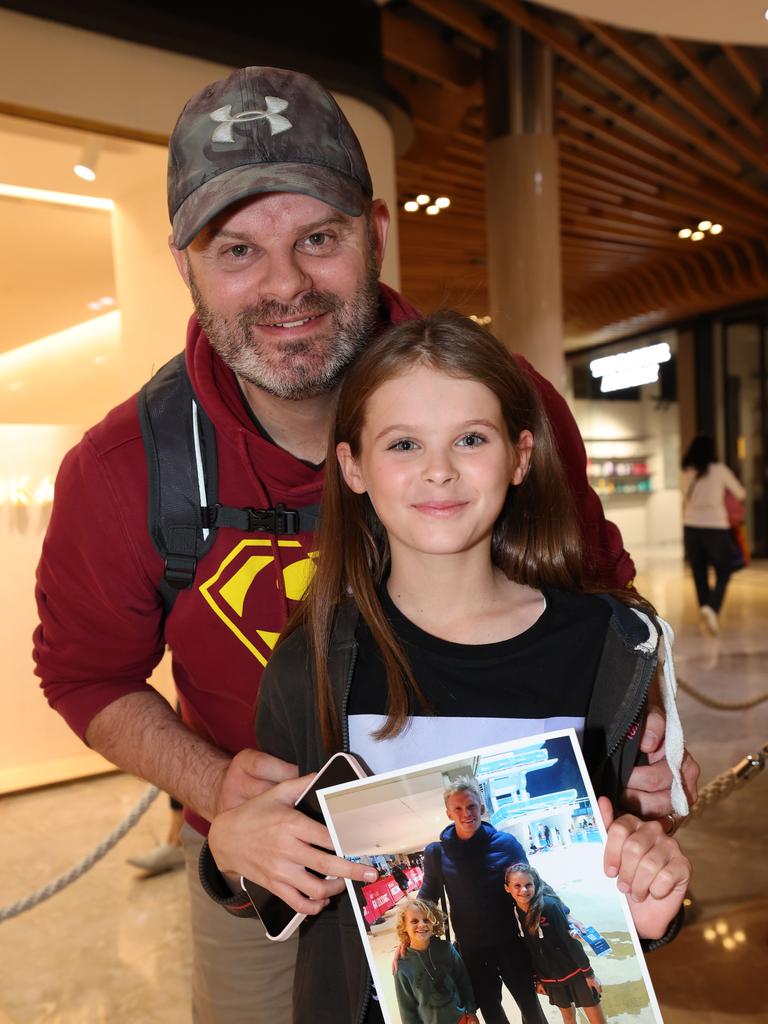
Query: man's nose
x=284 y=277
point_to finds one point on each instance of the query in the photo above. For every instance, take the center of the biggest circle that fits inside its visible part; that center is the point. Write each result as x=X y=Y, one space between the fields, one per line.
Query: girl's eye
x=403 y=445
x=472 y=440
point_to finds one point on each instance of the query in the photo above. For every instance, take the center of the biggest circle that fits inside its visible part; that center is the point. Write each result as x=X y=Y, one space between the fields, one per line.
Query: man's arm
x=101 y=628
x=142 y=735
x=432 y=882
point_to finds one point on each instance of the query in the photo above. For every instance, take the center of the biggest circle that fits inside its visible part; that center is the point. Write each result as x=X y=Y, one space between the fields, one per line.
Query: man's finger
x=652 y=730
x=265 y=766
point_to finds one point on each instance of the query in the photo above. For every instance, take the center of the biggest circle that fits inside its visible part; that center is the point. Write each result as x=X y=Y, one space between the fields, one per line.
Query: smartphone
x=281 y=921
x=599 y=945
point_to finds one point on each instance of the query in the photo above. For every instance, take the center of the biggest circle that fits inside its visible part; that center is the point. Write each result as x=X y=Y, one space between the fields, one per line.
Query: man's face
x=466 y=813
x=286 y=288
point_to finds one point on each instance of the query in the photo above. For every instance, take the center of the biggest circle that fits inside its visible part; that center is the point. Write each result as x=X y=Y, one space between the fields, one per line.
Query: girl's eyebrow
x=406 y=428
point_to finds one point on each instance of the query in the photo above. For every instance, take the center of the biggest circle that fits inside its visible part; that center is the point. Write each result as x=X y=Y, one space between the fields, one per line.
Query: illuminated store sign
x=630 y=369
x=23 y=490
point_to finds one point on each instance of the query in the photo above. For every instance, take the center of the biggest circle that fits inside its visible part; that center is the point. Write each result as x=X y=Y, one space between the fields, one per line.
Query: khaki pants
x=238 y=975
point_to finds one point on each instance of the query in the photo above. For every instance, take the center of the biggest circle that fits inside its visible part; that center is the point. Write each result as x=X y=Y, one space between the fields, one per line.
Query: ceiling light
x=103 y=303
x=422 y=199
x=716 y=229
x=44 y=195
x=86 y=168
x=85 y=172
x=705 y=225
x=697 y=236
x=433 y=209
x=443 y=202
x=684 y=233
x=411 y=206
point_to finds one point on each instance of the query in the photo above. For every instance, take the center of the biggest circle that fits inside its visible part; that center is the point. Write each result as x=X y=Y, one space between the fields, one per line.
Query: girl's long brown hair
x=536 y=539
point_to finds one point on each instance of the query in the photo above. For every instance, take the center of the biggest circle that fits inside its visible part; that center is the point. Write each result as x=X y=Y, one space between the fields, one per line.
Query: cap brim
x=206 y=202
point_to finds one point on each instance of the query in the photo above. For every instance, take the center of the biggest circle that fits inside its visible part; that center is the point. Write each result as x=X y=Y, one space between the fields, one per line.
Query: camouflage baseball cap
x=261 y=130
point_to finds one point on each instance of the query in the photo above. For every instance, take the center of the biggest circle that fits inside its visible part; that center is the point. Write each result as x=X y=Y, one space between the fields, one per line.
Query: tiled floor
x=112 y=948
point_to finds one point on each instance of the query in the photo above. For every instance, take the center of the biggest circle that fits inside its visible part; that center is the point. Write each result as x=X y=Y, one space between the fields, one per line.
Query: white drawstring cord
x=674 y=741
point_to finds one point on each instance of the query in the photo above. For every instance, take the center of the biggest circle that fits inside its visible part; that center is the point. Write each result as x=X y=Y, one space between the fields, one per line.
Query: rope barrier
x=726 y=782
x=719 y=705
x=46 y=891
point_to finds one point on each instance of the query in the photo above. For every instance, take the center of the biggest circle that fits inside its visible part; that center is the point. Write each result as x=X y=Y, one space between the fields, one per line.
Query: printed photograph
x=491 y=890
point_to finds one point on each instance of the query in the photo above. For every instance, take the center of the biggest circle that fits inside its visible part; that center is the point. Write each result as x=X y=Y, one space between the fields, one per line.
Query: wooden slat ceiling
x=655 y=134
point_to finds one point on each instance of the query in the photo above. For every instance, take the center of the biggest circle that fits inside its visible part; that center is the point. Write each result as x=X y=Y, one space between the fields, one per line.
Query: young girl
x=431 y=983
x=561 y=965
x=445 y=614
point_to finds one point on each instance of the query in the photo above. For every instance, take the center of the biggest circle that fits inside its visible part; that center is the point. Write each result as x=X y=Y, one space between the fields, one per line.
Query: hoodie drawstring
x=674 y=741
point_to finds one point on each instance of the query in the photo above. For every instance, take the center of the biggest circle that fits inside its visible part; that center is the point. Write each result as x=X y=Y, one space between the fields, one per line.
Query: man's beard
x=303 y=368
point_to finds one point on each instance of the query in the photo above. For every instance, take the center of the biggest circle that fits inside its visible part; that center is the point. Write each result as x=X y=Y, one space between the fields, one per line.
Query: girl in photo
x=446 y=613
x=560 y=963
x=431 y=982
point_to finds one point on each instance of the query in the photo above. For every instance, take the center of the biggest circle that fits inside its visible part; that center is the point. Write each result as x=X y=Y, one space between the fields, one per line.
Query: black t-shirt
x=481 y=694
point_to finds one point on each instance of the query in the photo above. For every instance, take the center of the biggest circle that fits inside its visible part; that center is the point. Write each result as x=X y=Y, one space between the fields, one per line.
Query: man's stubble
x=308 y=367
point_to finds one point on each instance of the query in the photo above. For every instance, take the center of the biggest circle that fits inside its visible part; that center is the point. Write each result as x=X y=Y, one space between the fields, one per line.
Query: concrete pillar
x=522 y=188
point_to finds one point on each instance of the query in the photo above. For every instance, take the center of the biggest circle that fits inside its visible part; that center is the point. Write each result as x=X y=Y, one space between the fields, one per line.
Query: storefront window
x=625 y=403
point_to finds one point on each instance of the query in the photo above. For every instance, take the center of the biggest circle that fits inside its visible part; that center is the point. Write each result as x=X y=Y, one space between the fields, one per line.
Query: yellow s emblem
x=228 y=591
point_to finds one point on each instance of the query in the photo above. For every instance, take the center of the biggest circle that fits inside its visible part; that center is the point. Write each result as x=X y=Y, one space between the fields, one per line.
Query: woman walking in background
x=706 y=528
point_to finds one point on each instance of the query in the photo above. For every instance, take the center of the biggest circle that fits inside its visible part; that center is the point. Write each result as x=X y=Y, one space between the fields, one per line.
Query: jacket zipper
x=634 y=720
x=345 y=748
x=345 y=702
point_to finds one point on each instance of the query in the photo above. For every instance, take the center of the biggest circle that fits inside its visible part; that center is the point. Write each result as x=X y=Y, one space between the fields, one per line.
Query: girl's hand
x=594 y=982
x=268 y=841
x=540 y=989
x=649 y=867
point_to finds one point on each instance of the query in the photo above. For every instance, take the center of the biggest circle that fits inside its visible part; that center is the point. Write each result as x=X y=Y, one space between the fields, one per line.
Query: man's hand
x=648 y=792
x=268 y=841
x=400 y=952
x=649 y=867
x=251 y=773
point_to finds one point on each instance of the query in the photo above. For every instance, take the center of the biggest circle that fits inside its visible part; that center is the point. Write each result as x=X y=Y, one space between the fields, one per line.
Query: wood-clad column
x=523 y=203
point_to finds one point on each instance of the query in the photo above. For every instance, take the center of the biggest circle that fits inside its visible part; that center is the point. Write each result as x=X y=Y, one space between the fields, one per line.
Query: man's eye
x=239 y=250
x=318 y=238
x=472 y=440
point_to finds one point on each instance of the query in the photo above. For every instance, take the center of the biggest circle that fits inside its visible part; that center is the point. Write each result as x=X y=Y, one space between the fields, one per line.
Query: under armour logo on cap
x=277 y=123
x=214 y=164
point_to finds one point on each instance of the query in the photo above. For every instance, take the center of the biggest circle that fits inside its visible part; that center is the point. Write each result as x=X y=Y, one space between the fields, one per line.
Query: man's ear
x=379 y=221
x=180 y=259
x=350 y=469
x=523 y=452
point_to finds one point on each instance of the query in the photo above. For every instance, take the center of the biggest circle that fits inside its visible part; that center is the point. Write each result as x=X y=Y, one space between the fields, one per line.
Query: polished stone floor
x=112 y=947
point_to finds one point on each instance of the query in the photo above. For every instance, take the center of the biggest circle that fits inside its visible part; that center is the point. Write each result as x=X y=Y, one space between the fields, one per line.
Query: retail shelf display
x=620 y=474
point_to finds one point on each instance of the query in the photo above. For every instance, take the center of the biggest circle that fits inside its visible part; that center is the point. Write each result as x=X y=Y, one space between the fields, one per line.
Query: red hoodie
x=102 y=629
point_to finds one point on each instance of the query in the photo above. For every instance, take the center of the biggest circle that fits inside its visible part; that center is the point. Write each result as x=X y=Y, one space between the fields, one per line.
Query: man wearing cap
x=279 y=239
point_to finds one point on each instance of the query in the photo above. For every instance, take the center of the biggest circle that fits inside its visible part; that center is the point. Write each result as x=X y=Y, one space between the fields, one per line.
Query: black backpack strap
x=182 y=471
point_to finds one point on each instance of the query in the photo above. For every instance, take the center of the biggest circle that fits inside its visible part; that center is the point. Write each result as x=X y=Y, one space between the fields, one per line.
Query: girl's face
x=520 y=886
x=418 y=928
x=436 y=461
